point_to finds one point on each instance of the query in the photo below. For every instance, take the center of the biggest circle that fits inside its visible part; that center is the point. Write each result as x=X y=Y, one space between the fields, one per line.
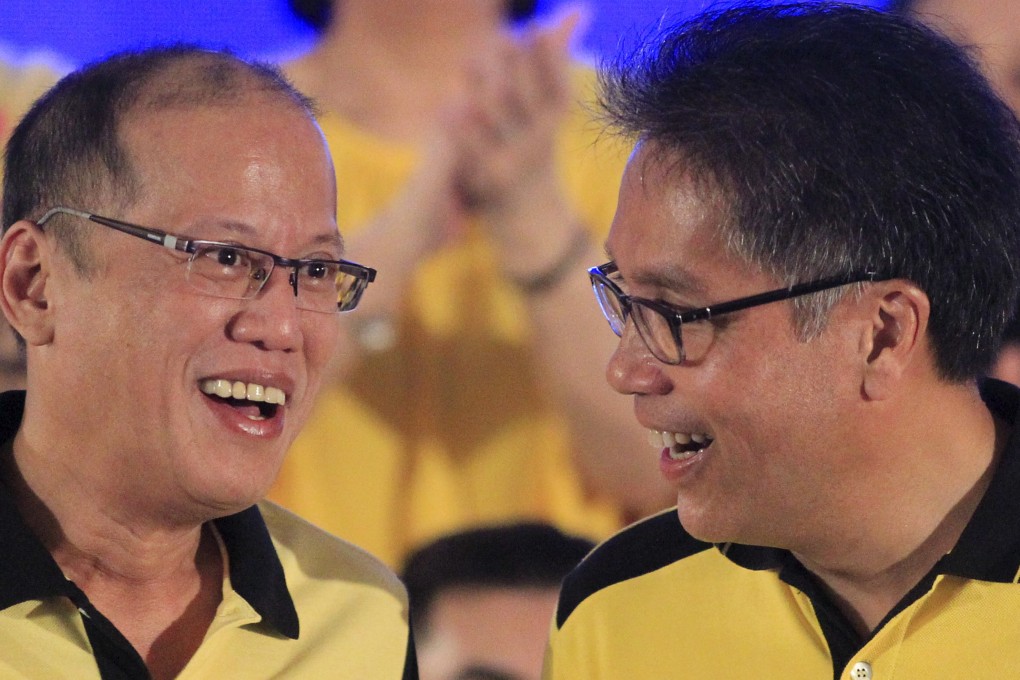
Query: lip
x=235 y=420
x=677 y=471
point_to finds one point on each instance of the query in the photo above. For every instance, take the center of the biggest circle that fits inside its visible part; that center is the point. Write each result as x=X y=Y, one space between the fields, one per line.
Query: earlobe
x=24 y=272
x=895 y=338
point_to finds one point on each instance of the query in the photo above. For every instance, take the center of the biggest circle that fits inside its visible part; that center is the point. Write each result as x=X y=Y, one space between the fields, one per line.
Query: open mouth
x=256 y=402
x=681 y=445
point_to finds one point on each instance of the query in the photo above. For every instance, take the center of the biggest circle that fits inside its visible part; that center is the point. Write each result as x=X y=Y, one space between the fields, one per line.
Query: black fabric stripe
x=410 y=659
x=989 y=548
x=642 y=548
x=255 y=569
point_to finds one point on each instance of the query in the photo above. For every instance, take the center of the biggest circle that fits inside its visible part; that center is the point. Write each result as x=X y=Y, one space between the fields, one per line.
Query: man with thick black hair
x=810 y=267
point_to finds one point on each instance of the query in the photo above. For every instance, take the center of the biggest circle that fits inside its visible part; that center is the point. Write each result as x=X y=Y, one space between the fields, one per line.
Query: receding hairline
x=193 y=80
x=206 y=78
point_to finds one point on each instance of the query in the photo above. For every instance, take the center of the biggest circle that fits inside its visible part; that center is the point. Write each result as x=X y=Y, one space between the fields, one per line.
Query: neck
x=159 y=586
x=85 y=534
x=901 y=521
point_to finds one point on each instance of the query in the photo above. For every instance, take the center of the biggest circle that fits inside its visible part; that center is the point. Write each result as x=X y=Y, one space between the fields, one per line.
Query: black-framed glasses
x=230 y=270
x=661 y=326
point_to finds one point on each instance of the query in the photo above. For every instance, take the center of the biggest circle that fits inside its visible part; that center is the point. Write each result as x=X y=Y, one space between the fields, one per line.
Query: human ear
x=24 y=271
x=896 y=335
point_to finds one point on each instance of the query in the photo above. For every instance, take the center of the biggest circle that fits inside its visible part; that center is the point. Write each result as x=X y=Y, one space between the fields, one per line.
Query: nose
x=271 y=320
x=632 y=369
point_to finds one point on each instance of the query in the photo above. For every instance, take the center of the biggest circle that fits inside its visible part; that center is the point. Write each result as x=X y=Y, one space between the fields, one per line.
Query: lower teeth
x=679 y=454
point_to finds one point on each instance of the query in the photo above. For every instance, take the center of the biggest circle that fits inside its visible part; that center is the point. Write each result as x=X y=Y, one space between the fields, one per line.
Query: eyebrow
x=670 y=278
x=248 y=231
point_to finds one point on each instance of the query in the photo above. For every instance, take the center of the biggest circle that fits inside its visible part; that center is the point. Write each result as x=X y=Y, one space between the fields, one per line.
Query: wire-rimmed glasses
x=661 y=326
x=230 y=270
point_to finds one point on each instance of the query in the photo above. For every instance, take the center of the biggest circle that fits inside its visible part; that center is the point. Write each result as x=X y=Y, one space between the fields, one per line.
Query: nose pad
x=632 y=369
x=630 y=336
x=293 y=280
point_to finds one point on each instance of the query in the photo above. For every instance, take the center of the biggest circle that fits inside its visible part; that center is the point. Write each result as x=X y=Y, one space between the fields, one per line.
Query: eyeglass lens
x=236 y=272
x=653 y=327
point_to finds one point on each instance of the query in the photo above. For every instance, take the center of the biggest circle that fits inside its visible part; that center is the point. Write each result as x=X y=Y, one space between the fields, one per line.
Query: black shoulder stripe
x=639 y=549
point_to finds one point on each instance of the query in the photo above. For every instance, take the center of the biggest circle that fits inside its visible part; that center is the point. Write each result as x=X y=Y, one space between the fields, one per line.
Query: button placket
x=861 y=671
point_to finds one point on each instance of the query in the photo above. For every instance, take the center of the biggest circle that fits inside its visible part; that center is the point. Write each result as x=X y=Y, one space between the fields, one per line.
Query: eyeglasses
x=229 y=270
x=661 y=326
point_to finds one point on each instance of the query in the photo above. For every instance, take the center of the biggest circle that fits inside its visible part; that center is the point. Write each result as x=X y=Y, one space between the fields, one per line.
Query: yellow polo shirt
x=653 y=603
x=297 y=603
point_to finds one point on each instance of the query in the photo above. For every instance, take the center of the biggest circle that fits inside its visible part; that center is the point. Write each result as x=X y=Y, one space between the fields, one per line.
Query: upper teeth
x=669 y=439
x=236 y=389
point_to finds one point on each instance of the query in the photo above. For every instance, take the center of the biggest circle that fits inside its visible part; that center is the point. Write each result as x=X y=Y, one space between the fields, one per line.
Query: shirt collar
x=28 y=572
x=989 y=547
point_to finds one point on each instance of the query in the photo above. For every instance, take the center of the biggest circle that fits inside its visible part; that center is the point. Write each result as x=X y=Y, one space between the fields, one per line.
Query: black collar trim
x=28 y=572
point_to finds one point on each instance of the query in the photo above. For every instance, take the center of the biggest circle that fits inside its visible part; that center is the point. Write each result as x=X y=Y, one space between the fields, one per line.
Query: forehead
x=258 y=157
x=223 y=133
x=667 y=222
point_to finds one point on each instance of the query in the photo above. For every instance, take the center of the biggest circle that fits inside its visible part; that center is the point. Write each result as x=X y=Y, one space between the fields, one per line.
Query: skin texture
x=823 y=447
x=115 y=361
x=502 y=630
x=754 y=472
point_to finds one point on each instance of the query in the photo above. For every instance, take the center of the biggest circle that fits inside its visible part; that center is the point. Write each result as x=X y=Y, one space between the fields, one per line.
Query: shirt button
x=861 y=671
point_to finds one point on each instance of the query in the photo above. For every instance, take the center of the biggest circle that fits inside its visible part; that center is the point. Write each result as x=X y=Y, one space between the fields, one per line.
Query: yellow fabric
x=450 y=427
x=703 y=617
x=352 y=612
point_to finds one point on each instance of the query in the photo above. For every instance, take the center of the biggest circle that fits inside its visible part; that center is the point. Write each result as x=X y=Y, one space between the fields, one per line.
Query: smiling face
x=143 y=353
x=773 y=413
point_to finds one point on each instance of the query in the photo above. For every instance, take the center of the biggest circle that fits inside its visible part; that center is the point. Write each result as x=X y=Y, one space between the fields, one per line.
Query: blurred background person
x=471 y=174
x=22 y=79
x=482 y=599
x=990 y=29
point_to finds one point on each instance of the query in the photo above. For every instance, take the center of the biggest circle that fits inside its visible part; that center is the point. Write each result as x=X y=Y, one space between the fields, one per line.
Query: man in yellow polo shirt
x=171 y=261
x=812 y=260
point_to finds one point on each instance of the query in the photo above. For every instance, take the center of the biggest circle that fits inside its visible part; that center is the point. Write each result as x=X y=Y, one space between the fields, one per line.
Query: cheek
x=776 y=393
x=321 y=337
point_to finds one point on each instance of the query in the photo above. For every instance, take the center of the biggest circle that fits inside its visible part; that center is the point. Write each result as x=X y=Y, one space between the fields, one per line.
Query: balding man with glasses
x=171 y=263
x=812 y=259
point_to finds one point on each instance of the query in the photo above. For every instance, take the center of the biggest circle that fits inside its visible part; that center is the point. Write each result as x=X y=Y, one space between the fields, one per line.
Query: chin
x=708 y=527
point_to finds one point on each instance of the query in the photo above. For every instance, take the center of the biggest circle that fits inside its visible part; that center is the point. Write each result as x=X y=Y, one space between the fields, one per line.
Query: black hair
x=841 y=138
x=67 y=149
x=523 y=555
x=319 y=14
x=903 y=7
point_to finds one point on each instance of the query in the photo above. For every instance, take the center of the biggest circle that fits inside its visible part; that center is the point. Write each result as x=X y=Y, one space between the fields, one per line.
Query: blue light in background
x=80 y=31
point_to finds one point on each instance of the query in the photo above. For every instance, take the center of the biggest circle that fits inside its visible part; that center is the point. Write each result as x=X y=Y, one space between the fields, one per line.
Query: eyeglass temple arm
x=166 y=240
x=796 y=290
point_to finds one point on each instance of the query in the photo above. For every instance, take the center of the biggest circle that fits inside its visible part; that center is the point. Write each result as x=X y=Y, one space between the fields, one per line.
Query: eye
x=229 y=256
x=319 y=270
x=226 y=262
x=320 y=275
